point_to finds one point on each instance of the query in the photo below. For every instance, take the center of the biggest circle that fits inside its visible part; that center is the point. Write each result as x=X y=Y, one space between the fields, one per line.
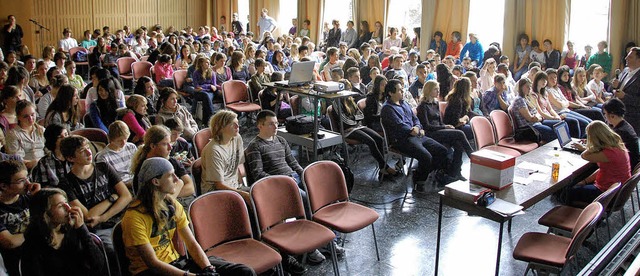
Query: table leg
x=509 y=225
x=344 y=143
x=499 y=248
x=315 y=128
x=438 y=240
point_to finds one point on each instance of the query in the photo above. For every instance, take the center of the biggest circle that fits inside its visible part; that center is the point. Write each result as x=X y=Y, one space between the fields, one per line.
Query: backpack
x=81 y=56
x=348 y=174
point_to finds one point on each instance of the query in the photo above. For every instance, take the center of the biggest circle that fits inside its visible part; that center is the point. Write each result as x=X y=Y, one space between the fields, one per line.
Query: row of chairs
x=569 y=226
x=497 y=134
x=221 y=225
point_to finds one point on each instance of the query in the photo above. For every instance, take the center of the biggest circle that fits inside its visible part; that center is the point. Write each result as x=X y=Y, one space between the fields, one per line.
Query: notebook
x=301 y=74
x=564 y=138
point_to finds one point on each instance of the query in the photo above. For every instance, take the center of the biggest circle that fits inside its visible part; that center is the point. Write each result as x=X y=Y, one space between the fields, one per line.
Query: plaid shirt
x=49 y=171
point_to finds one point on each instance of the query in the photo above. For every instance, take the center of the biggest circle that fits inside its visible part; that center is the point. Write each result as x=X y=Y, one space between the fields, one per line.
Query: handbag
x=299 y=124
x=527 y=133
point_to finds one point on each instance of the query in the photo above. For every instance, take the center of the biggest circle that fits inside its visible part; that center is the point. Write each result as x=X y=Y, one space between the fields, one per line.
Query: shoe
x=291 y=265
x=444 y=179
x=326 y=250
x=315 y=257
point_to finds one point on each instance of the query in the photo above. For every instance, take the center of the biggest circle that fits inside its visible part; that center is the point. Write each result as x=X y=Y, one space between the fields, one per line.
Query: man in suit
x=627 y=87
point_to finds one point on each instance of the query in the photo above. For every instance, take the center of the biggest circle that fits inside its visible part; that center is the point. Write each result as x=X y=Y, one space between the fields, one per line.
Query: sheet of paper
x=532 y=167
x=504 y=207
x=539 y=176
x=522 y=180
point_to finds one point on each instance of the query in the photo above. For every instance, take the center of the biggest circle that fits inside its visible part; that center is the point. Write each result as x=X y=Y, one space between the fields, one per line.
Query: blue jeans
x=586 y=193
x=303 y=194
x=207 y=104
x=577 y=124
x=546 y=130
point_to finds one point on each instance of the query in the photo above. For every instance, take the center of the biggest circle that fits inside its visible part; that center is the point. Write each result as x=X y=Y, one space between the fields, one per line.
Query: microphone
x=617 y=73
x=32 y=20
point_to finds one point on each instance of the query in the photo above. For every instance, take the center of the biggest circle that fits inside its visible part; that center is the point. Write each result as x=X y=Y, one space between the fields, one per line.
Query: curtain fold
x=547 y=19
x=256 y=6
x=450 y=15
x=427 y=26
x=514 y=25
x=226 y=9
x=623 y=27
x=312 y=10
x=372 y=11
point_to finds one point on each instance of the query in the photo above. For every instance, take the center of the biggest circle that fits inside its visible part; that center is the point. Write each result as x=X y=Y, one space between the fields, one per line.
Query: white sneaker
x=315 y=257
x=327 y=249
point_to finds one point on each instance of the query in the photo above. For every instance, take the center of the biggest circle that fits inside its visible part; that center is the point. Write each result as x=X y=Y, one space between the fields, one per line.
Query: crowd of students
x=149 y=153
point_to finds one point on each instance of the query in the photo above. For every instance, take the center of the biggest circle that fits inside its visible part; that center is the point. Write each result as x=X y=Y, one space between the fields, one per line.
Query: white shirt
x=266 y=23
x=67 y=43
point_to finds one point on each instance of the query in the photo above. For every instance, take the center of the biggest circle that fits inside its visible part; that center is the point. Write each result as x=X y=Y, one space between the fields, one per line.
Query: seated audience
x=146 y=88
x=75 y=80
x=92 y=93
x=564 y=83
x=353 y=75
x=45 y=101
x=496 y=97
x=8 y=98
x=416 y=87
x=163 y=71
x=64 y=109
x=157 y=143
x=204 y=80
x=181 y=150
x=27 y=138
x=135 y=116
x=429 y=116
x=605 y=148
x=239 y=70
x=57 y=240
x=151 y=253
x=103 y=111
x=272 y=98
x=118 y=153
x=405 y=133
x=524 y=112
x=373 y=104
x=52 y=168
x=15 y=193
x=458 y=112
x=614 y=111
x=540 y=99
x=168 y=107
x=560 y=104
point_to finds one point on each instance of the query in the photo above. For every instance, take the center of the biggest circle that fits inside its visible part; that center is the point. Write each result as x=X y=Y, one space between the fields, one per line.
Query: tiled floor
x=407 y=233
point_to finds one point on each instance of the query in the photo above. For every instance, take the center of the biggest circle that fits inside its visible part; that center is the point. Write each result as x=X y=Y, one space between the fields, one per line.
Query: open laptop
x=301 y=74
x=564 y=138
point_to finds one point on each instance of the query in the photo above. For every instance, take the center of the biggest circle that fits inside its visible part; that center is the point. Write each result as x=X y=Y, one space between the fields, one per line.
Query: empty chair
x=562 y=219
x=92 y=134
x=626 y=191
x=485 y=139
x=550 y=253
x=200 y=139
x=281 y=220
x=235 y=96
x=140 y=69
x=329 y=200
x=179 y=78
x=221 y=226
x=124 y=67
x=504 y=133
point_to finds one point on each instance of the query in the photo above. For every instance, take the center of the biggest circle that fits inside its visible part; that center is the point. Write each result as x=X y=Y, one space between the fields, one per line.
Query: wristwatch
x=113 y=198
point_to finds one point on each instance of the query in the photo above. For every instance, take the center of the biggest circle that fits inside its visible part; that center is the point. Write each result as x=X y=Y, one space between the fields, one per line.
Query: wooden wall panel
x=172 y=13
x=196 y=13
x=46 y=14
x=142 y=12
x=73 y=14
x=111 y=13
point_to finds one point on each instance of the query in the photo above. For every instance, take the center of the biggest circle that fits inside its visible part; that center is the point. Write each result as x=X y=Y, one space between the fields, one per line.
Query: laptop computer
x=564 y=138
x=301 y=74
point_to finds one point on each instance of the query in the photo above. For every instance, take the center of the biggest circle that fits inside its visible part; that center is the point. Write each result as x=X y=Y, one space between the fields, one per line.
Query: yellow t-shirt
x=138 y=228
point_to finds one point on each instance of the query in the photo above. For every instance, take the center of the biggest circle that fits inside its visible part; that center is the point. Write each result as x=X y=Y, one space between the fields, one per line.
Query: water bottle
x=555 y=167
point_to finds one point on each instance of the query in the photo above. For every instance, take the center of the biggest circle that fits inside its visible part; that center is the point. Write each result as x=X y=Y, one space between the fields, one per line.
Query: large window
x=337 y=9
x=589 y=23
x=486 y=19
x=288 y=11
x=405 y=13
x=243 y=14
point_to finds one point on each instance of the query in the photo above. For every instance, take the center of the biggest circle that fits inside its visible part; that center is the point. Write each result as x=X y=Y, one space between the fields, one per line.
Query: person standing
x=350 y=36
x=334 y=35
x=627 y=88
x=266 y=23
x=12 y=35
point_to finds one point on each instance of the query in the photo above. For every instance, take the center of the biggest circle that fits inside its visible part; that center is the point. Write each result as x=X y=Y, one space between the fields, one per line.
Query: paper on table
x=522 y=180
x=504 y=207
x=534 y=167
x=539 y=176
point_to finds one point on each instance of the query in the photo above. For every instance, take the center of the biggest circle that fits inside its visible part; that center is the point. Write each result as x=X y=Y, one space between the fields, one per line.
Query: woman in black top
x=445 y=79
x=57 y=241
x=429 y=116
x=373 y=103
x=458 y=112
x=614 y=110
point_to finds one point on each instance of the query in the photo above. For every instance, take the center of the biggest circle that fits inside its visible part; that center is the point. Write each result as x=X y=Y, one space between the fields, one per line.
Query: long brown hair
x=461 y=93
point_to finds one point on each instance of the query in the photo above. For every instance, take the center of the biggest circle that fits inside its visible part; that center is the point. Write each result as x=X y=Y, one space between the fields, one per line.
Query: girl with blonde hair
x=605 y=148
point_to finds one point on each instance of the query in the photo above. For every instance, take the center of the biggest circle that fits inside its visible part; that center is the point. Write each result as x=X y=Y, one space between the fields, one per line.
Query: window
x=407 y=13
x=243 y=13
x=288 y=11
x=589 y=23
x=338 y=9
x=486 y=19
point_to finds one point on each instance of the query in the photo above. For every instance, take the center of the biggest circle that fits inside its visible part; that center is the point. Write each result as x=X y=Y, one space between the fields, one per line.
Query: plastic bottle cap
x=557 y=155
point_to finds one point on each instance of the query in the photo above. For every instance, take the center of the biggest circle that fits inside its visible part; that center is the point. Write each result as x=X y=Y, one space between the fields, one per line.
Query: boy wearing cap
x=148 y=227
x=15 y=190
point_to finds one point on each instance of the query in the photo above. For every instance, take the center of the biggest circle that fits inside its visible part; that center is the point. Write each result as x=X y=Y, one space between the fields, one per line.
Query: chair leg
x=633 y=204
x=279 y=269
x=334 y=258
x=375 y=241
x=608 y=228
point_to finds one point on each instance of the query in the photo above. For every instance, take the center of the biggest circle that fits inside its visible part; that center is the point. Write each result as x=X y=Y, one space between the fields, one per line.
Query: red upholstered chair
x=485 y=139
x=93 y=134
x=623 y=196
x=200 y=139
x=124 y=67
x=442 y=106
x=140 y=69
x=562 y=219
x=179 y=78
x=220 y=223
x=549 y=253
x=72 y=53
x=236 y=97
x=504 y=133
x=281 y=219
x=82 y=108
x=329 y=200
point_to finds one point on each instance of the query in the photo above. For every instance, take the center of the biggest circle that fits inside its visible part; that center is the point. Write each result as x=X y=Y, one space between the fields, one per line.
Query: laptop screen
x=562 y=132
x=301 y=72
